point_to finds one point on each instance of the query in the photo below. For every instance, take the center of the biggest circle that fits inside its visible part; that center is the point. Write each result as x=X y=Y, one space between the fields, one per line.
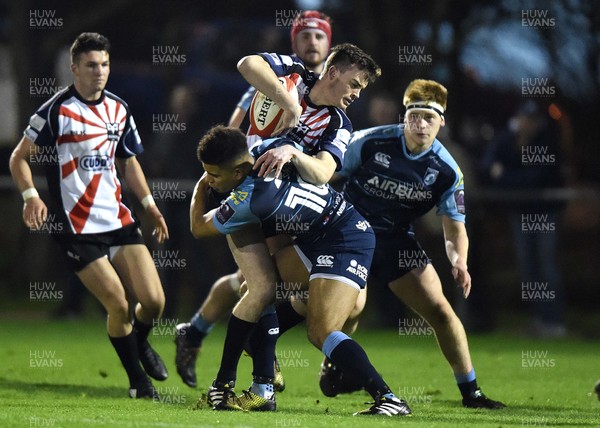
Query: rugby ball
x=265 y=115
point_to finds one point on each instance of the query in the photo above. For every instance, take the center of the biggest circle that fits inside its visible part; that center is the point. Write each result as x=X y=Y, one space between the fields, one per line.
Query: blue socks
x=198 y=331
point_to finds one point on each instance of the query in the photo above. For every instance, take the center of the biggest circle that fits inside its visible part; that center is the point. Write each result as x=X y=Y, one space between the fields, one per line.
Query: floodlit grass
x=66 y=374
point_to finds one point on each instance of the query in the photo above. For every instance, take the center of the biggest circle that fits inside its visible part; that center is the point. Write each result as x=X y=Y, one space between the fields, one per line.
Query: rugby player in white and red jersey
x=91 y=134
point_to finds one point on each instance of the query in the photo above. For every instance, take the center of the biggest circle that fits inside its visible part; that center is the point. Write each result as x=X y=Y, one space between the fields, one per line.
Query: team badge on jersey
x=224 y=213
x=459 y=199
x=430 y=176
x=299 y=132
x=382 y=159
x=112 y=129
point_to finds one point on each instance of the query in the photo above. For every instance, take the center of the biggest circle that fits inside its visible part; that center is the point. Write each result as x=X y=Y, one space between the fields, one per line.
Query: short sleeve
x=235 y=211
x=353 y=158
x=130 y=143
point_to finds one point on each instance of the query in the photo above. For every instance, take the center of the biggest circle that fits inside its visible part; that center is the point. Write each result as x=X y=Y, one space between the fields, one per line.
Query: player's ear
x=443 y=123
x=333 y=72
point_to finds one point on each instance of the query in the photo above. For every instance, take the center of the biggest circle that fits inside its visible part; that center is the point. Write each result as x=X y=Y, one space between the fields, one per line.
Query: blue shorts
x=343 y=254
x=396 y=254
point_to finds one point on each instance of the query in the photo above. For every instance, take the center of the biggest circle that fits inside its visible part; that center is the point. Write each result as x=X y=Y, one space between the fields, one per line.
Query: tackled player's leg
x=222 y=298
x=329 y=305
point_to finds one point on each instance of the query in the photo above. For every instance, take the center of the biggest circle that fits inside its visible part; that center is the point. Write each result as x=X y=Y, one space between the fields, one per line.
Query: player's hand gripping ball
x=265 y=115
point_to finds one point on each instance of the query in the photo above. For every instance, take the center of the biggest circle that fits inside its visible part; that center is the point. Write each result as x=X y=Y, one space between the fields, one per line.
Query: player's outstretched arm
x=258 y=73
x=134 y=176
x=35 y=211
x=457 y=248
x=201 y=222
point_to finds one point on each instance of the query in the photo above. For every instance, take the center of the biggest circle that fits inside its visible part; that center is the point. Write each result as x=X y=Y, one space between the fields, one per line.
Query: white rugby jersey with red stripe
x=321 y=128
x=82 y=139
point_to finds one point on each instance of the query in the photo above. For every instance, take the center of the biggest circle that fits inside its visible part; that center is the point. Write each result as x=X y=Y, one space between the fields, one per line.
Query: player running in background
x=90 y=131
x=323 y=133
x=330 y=226
x=396 y=174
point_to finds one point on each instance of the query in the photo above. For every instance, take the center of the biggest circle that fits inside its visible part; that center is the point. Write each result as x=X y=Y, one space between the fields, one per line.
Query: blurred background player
x=530 y=137
x=311 y=40
x=91 y=131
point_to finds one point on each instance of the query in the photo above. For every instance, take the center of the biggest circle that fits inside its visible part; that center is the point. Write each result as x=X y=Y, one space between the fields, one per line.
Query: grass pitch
x=66 y=374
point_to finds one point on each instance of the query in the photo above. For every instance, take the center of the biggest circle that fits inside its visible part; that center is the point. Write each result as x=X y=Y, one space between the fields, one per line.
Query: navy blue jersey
x=283 y=207
x=391 y=187
x=321 y=128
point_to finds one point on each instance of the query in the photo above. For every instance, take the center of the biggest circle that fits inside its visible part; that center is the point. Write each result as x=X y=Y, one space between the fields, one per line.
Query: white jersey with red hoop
x=82 y=139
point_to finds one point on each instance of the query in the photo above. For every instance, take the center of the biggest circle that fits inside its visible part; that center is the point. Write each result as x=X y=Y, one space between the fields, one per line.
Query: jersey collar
x=80 y=98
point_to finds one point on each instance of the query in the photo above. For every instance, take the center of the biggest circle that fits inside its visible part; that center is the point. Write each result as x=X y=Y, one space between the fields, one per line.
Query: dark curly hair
x=221 y=144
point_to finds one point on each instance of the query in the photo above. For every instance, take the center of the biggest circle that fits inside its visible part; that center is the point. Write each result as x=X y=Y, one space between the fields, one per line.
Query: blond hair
x=425 y=90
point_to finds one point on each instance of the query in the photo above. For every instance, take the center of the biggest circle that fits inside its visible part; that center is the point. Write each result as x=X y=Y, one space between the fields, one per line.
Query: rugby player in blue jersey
x=311 y=38
x=321 y=128
x=396 y=174
x=335 y=241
